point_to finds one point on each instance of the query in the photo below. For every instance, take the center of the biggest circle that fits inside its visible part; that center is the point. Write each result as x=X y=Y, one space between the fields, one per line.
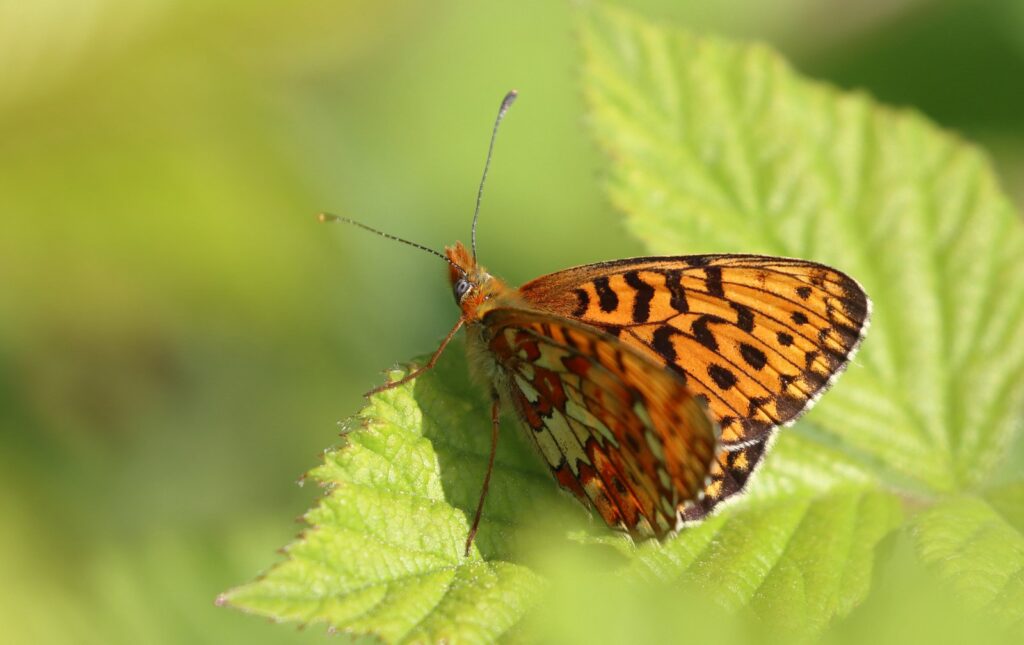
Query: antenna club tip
x=509 y=99
x=324 y=217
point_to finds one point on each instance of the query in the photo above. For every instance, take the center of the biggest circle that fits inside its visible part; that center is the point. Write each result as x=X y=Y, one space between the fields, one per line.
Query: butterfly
x=651 y=387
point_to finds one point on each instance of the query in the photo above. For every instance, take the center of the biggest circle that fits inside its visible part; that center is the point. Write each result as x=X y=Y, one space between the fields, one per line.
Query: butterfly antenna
x=327 y=217
x=506 y=103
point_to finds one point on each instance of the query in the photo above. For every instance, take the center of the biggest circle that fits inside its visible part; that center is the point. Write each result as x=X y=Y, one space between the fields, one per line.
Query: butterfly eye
x=462 y=287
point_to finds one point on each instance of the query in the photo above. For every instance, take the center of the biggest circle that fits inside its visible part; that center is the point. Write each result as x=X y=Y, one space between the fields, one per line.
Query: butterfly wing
x=624 y=435
x=760 y=338
x=729 y=475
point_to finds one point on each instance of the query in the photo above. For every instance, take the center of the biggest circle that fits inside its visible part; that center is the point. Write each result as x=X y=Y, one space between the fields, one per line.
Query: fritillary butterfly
x=653 y=386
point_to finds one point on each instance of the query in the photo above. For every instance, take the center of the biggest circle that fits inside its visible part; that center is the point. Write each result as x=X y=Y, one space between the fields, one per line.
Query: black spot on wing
x=703 y=334
x=744 y=317
x=722 y=376
x=753 y=356
x=607 y=298
x=673 y=282
x=784 y=339
x=662 y=343
x=713 y=280
x=643 y=297
x=582 y=302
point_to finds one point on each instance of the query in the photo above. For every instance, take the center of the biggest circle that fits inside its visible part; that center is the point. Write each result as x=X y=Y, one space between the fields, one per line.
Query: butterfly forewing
x=729 y=475
x=623 y=434
x=758 y=337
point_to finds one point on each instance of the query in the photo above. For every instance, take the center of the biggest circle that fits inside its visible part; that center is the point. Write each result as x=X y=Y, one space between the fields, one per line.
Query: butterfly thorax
x=476 y=291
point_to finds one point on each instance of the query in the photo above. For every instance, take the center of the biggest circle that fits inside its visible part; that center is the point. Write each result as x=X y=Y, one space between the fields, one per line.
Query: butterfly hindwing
x=760 y=338
x=623 y=434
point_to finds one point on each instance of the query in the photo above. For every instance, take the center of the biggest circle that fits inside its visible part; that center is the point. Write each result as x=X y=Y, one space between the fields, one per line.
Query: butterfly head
x=472 y=286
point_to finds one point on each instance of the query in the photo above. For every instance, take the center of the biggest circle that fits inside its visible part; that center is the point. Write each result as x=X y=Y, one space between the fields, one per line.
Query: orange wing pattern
x=729 y=475
x=759 y=338
x=617 y=429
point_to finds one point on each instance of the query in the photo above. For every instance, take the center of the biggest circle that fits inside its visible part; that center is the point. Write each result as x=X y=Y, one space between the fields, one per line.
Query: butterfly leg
x=416 y=372
x=495 y=415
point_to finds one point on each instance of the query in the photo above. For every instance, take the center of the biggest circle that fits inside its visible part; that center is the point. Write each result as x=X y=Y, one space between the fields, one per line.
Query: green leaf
x=719 y=146
x=1008 y=500
x=798 y=550
x=714 y=146
x=383 y=554
x=979 y=550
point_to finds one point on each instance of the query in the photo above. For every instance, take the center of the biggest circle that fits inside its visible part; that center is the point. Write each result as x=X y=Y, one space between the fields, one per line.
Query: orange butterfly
x=652 y=386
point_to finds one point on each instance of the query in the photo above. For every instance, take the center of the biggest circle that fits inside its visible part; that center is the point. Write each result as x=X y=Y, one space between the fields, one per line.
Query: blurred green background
x=178 y=335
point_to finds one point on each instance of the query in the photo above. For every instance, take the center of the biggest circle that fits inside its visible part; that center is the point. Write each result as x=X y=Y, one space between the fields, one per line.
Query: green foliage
x=979 y=551
x=719 y=146
x=384 y=551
